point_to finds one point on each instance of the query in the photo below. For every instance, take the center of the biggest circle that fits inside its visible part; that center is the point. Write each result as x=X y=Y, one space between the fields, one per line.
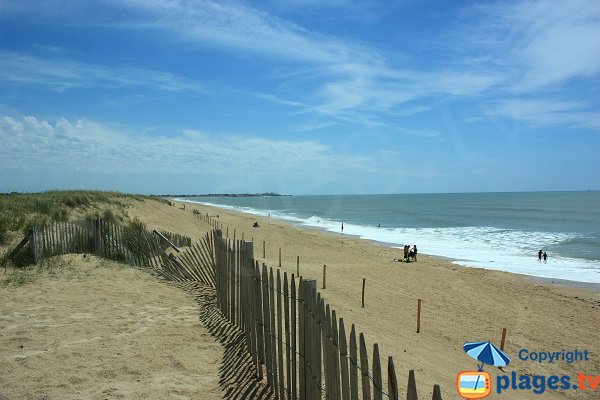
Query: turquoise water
x=492 y=230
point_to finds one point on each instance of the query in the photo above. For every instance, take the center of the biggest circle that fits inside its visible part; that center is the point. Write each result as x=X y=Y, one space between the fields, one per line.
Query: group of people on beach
x=410 y=254
x=542 y=255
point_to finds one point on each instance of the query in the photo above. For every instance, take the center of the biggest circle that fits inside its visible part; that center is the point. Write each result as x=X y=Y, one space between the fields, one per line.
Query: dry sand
x=120 y=332
x=93 y=329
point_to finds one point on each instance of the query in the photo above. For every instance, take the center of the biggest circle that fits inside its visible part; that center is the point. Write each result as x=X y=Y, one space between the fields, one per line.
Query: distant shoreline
x=270 y=194
x=592 y=286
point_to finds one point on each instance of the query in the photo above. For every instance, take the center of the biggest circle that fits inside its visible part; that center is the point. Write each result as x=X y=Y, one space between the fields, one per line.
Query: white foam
x=483 y=247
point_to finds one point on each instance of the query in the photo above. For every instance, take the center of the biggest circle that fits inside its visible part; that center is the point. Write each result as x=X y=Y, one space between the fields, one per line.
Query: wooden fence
x=295 y=339
x=176 y=239
x=195 y=264
x=209 y=219
x=107 y=239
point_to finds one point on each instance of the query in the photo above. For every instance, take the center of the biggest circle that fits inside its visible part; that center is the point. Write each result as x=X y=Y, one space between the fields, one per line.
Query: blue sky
x=299 y=96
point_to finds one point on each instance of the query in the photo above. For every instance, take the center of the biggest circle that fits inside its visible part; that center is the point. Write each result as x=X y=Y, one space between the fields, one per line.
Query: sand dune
x=94 y=329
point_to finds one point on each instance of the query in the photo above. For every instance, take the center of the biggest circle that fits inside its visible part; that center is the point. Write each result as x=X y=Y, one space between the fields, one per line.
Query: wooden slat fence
x=208 y=219
x=103 y=238
x=295 y=339
x=176 y=239
x=195 y=263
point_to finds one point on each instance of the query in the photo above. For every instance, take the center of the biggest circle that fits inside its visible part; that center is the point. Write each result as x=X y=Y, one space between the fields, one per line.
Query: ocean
x=502 y=231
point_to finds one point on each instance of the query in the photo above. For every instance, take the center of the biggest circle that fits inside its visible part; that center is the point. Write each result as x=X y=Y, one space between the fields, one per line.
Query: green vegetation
x=18 y=277
x=20 y=211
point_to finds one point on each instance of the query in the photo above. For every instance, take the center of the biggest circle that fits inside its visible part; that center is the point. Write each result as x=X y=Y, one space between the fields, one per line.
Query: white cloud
x=544 y=112
x=62 y=74
x=345 y=80
x=537 y=44
x=237 y=26
x=30 y=143
x=528 y=47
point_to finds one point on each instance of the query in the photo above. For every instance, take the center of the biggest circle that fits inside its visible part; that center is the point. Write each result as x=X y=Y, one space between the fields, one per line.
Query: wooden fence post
x=377 y=381
x=308 y=339
x=264 y=252
x=411 y=391
x=437 y=394
x=297 y=265
x=364 y=368
x=418 y=315
x=353 y=365
x=97 y=237
x=363 y=292
x=337 y=381
x=293 y=336
x=503 y=339
x=280 y=257
x=344 y=370
x=32 y=244
x=324 y=276
x=301 y=340
x=281 y=379
x=288 y=364
x=392 y=382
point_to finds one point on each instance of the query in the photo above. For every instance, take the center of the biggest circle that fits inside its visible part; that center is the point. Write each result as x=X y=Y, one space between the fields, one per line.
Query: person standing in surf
x=540 y=256
x=545 y=257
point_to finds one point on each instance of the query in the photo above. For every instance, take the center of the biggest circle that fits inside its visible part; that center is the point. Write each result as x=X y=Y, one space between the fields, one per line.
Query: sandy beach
x=105 y=330
x=458 y=304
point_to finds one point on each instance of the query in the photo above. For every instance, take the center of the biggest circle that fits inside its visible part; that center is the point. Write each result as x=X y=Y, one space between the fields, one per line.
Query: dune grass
x=20 y=211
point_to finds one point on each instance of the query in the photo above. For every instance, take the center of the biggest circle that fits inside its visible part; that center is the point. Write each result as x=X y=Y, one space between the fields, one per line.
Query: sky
x=299 y=96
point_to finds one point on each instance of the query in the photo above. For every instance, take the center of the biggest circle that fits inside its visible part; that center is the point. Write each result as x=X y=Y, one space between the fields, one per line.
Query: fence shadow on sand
x=237 y=376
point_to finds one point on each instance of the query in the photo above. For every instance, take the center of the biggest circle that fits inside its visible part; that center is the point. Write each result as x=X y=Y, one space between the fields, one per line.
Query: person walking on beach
x=540 y=256
x=545 y=257
x=342 y=227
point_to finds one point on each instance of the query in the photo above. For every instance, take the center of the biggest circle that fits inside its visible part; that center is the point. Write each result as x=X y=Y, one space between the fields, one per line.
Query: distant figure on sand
x=406 y=248
x=413 y=253
x=342 y=227
x=540 y=255
x=545 y=257
x=255 y=225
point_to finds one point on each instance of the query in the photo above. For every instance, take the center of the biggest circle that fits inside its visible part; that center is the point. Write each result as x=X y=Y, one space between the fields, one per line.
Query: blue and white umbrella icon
x=486 y=353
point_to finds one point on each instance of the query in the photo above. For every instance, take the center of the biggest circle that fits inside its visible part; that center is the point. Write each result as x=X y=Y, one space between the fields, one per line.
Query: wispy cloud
x=340 y=78
x=536 y=44
x=63 y=74
x=545 y=112
x=494 y=51
x=89 y=146
x=236 y=26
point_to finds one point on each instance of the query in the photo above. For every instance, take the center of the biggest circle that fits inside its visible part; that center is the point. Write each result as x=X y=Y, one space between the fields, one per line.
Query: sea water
x=502 y=231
